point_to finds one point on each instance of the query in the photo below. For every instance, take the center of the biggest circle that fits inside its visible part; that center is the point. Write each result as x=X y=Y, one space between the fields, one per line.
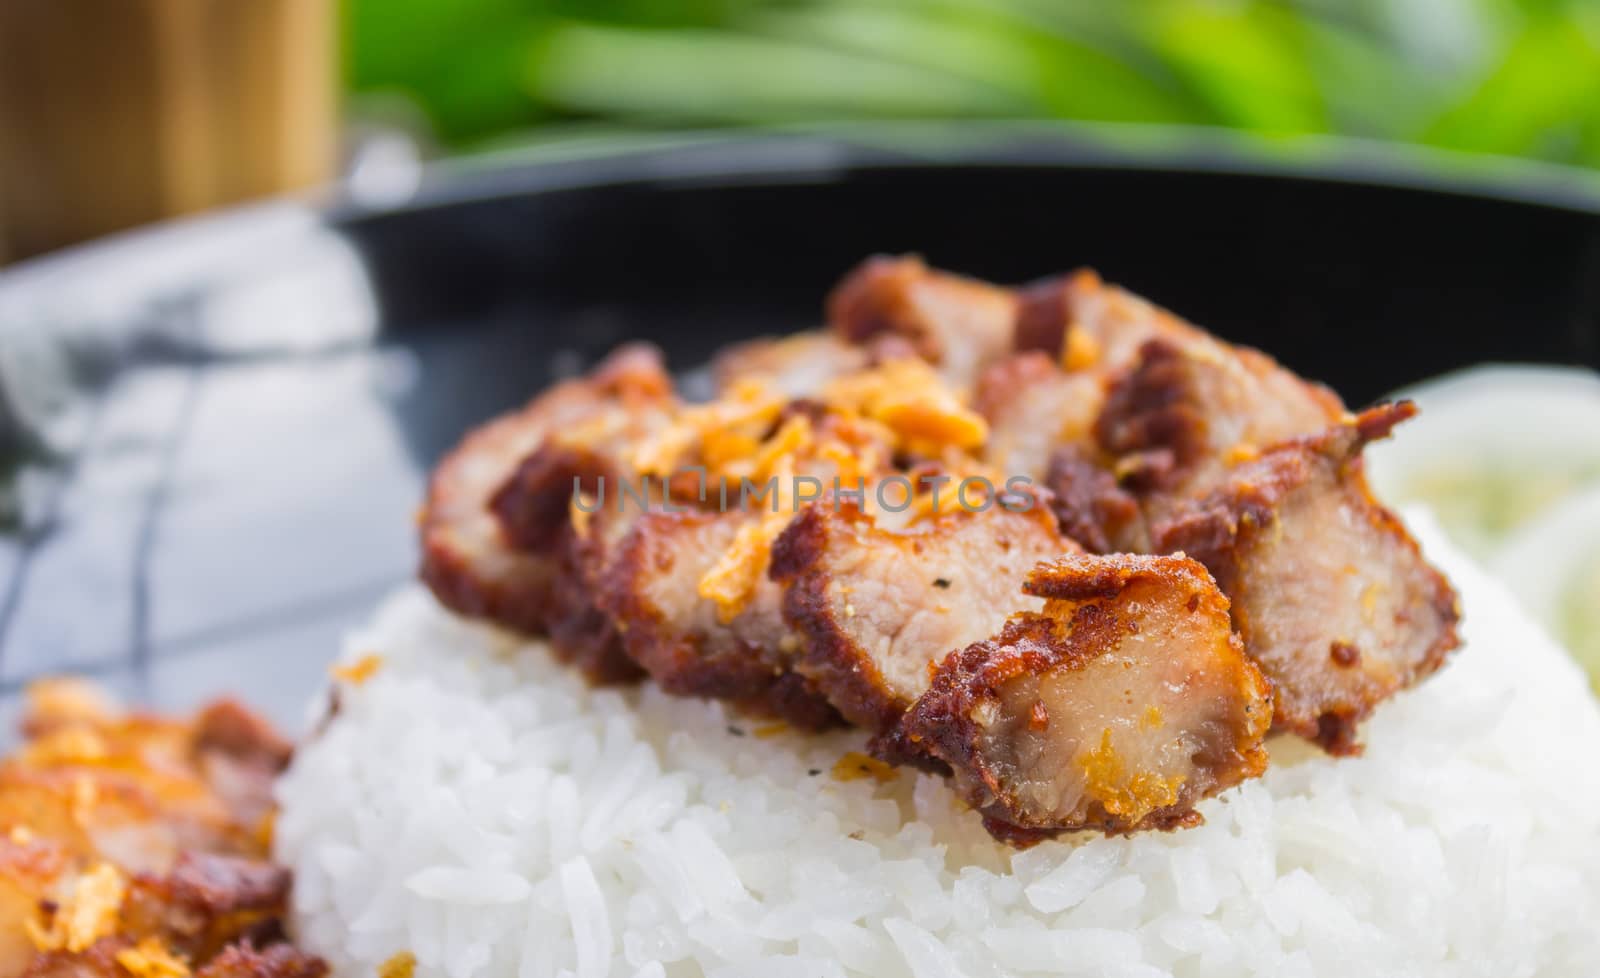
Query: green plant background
x=1511 y=77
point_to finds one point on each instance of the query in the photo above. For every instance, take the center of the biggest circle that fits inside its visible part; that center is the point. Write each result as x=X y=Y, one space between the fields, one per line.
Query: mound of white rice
x=475 y=804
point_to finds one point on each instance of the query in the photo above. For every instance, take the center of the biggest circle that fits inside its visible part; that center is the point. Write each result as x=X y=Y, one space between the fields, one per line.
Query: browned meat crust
x=277 y=961
x=1257 y=472
x=1099 y=378
x=875 y=608
x=1091 y=507
x=534 y=504
x=104 y=958
x=1086 y=324
x=957 y=324
x=1047 y=308
x=534 y=508
x=230 y=728
x=99 y=960
x=999 y=383
x=495 y=490
x=1119 y=706
x=1185 y=411
x=215 y=886
x=652 y=589
x=240 y=755
x=1331 y=594
x=207 y=902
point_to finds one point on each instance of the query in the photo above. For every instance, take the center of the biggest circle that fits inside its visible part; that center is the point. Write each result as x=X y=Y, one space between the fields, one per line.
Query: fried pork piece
x=875 y=608
x=118 y=957
x=1086 y=324
x=535 y=510
x=1119 y=706
x=682 y=638
x=576 y=498
x=1033 y=408
x=800 y=365
x=1184 y=413
x=470 y=560
x=128 y=843
x=1330 y=593
x=276 y=961
x=99 y=960
x=1090 y=505
x=1046 y=406
x=691 y=590
x=957 y=324
x=1160 y=399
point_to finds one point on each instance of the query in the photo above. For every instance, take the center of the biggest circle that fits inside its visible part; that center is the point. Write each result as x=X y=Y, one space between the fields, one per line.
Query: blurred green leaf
x=1359 y=76
x=1248 y=60
x=1539 y=100
x=1495 y=76
x=460 y=61
x=695 y=76
x=1047 y=73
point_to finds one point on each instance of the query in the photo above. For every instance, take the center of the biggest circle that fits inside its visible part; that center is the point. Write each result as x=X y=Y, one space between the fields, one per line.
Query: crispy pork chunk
x=577 y=498
x=495 y=518
x=1163 y=402
x=1082 y=343
x=683 y=639
x=1086 y=324
x=1041 y=427
x=1184 y=413
x=1033 y=408
x=1119 y=706
x=957 y=324
x=275 y=961
x=1330 y=593
x=130 y=844
x=875 y=608
x=1091 y=506
x=535 y=508
x=689 y=588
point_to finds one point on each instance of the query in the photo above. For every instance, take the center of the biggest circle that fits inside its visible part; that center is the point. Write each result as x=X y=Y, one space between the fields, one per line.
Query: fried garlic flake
x=151 y=959
x=88 y=912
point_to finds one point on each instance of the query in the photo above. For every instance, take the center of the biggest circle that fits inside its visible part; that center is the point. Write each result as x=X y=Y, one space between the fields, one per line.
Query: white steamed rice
x=474 y=804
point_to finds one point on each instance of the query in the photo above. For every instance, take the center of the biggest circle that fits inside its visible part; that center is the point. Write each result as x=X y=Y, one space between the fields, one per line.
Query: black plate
x=219 y=430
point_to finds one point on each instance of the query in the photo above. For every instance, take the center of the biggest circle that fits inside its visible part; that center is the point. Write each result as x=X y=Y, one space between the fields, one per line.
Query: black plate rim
x=820 y=153
x=825 y=152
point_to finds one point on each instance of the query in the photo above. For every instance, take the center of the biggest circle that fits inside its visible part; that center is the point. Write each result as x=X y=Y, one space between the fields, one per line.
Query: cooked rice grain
x=475 y=804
